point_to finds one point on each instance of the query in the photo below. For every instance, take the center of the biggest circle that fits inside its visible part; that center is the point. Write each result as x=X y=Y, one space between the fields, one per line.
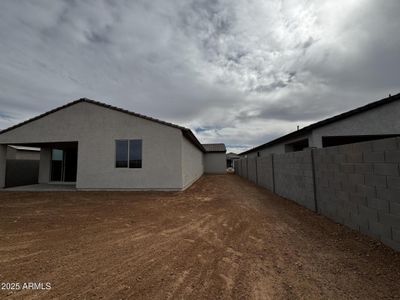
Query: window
x=128 y=154
x=135 y=153
x=329 y=141
x=121 y=159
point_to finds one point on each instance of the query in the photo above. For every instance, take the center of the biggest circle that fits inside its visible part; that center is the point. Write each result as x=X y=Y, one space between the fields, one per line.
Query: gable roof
x=327 y=121
x=220 y=147
x=232 y=155
x=185 y=131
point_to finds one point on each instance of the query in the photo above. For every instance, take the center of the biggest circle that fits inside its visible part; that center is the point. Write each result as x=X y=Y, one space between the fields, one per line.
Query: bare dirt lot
x=222 y=238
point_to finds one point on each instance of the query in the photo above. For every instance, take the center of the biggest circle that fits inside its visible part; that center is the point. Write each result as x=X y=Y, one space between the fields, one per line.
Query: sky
x=240 y=72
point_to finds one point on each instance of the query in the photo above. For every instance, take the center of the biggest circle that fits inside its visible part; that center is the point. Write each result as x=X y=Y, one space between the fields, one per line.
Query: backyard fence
x=357 y=185
x=21 y=172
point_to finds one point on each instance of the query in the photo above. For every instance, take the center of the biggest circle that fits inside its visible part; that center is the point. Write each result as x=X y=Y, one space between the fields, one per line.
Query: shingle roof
x=327 y=121
x=185 y=131
x=232 y=155
x=215 y=147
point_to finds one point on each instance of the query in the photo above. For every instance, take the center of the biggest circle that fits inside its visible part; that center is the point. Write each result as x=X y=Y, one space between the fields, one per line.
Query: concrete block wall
x=245 y=169
x=265 y=174
x=357 y=185
x=293 y=173
x=236 y=167
x=252 y=169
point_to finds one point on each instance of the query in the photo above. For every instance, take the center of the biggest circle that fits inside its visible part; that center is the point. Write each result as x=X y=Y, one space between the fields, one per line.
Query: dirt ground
x=222 y=238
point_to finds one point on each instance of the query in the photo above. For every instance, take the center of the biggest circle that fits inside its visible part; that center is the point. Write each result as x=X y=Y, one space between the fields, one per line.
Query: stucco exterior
x=192 y=163
x=44 y=165
x=277 y=148
x=215 y=163
x=169 y=160
x=382 y=120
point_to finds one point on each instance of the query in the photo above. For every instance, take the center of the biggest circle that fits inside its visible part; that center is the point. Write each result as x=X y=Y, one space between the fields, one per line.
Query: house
x=23 y=153
x=231 y=158
x=214 y=161
x=376 y=120
x=93 y=145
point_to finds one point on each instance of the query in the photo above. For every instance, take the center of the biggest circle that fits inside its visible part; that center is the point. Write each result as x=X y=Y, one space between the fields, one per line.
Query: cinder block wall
x=265 y=172
x=294 y=177
x=357 y=185
x=252 y=169
x=245 y=174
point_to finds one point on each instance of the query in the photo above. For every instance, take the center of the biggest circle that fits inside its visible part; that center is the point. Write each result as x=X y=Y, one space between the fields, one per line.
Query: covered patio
x=57 y=167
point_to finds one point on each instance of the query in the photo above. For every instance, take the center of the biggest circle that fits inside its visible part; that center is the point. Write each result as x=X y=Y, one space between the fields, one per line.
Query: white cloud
x=244 y=71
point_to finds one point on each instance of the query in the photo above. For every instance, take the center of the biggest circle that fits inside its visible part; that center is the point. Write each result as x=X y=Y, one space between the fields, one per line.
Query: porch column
x=44 y=165
x=3 y=161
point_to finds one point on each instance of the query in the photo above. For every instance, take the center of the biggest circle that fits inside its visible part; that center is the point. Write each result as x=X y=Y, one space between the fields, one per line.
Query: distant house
x=214 y=161
x=23 y=153
x=376 y=120
x=97 y=146
x=230 y=159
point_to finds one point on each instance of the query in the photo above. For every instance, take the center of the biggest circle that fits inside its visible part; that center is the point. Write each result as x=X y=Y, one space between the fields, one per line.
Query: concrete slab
x=42 y=187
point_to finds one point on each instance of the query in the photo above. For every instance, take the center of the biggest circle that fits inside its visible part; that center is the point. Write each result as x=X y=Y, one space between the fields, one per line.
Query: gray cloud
x=240 y=72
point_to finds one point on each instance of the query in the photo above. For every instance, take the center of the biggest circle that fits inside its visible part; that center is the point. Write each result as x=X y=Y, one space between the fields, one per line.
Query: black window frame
x=130 y=163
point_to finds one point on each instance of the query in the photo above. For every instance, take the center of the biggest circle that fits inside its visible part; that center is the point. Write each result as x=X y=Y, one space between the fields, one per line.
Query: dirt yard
x=222 y=238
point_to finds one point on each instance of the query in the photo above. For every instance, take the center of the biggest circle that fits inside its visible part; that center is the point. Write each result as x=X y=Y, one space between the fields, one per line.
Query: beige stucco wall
x=192 y=163
x=95 y=129
x=378 y=121
x=215 y=163
x=277 y=148
x=11 y=153
x=44 y=165
x=381 y=120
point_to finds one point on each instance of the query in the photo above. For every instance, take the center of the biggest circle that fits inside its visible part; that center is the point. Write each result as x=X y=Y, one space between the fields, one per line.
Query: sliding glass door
x=57 y=162
x=63 y=165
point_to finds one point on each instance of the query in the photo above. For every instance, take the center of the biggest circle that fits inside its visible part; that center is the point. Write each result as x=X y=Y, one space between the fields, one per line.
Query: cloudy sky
x=240 y=72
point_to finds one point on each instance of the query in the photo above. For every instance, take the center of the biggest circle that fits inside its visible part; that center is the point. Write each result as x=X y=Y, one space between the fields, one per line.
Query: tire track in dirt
x=223 y=238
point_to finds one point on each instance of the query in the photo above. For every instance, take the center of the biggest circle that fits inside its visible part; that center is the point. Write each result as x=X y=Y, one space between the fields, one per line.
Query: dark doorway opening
x=64 y=165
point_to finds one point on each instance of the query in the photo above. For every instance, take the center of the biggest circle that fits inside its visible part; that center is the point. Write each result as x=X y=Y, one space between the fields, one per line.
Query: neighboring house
x=230 y=159
x=98 y=146
x=373 y=121
x=23 y=153
x=215 y=160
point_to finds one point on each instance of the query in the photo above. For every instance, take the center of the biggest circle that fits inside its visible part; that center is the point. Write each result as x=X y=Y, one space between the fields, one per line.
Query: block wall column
x=44 y=166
